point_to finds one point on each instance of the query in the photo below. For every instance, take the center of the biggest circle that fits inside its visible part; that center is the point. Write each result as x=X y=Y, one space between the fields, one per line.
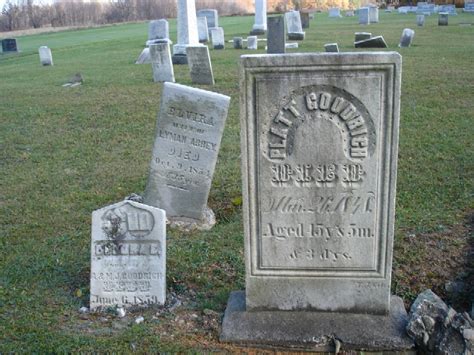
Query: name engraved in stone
x=191 y=116
x=143 y=247
x=317 y=231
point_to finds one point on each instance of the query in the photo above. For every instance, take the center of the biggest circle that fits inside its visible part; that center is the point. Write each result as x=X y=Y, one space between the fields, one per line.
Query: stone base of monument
x=296 y=36
x=180 y=59
x=257 y=32
x=207 y=221
x=316 y=331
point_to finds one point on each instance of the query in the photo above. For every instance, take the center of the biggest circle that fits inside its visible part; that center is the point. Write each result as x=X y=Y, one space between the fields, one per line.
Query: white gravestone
x=319 y=147
x=188 y=135
x=364 y=18
x=260 y=25
x=217 y=38
x=203 y=30
x=212 y=18
x=200 y=68
x=373 y=14
x=144 y=57
x=158 y=29
x=420 y=20
x=46 y=58
x=252 y=42
x=161 y=62
x=293 y=26
x=128 y=256
x=334 y=12
x=406 y=38
x=187 y=30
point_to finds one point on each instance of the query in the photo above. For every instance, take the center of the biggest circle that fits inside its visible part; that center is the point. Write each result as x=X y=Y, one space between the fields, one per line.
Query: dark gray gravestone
x=304 y=19
x=9 y=45
x=276 y=34
x=374 y=42
x=443 y=19
x=238 y=42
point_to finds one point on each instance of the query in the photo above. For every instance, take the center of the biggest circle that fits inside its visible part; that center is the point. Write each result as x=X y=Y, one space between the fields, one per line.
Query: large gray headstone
x=420 y=20
x=293 y=25
x=161 y=62
x=46 y=58
x=276 y=35
x=406 y=38
x=212 y=17
x=364 y=17
x=203 y=30
x=200 y=66
x=158 y=29
x=128 y=256
x=260 y=25
x=443 y=19
x=217 y=38
x=9 y=45
x=187 y=30
x=188 y=135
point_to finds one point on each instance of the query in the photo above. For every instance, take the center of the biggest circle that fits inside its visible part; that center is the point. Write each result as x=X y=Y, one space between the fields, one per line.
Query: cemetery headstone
x=373 y=14
x=238 y=42
x=128 y=256
x=420 y=20
x=212 y=18
x=200 y=67
x=407 y=37
x=360 y=36
x=449 y=8
x=187 y=30
x=334 y=12
x=305 y=21
x=260 y=25
x=425 y=8
x=468 y=7
x=203 y=31
x=217 y=38
x=161 y=62
x=294 y=27
x=158 y=29
x=443 y=19
x=291 y=45
x=276 y=35
x=373 y=42
x=252 y=42
x=364 y=18
x=144 y=57
x=188 y=135
x=319 y=161
x=9 y=45
x=349 y=13
x=46 y=58
x=331 y=48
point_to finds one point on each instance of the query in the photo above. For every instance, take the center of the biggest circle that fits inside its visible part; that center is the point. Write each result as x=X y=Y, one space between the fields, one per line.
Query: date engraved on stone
x=323 y=254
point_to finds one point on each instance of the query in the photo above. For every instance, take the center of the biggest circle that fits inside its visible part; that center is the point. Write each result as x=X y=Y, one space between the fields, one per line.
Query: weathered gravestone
x=144 y=57
x=305 y=21
x=9 y=45
x=217 y=38
x=238 y=42
x=161 y=62
x=260 y=25
x=364 y=18
x=360 y=36
x=203 y=30
x=158 y=29
x=331 y=47
x=276 y=35
x=294 y=27
x=373 y=42
x=212 y=18
x=252 y=42
x=335 y=12
x=406 y=38
x=350 y=13
x=128 y=256
x=373 y=14
x=468 y=7
x=420 y=20
x=188 y=135
x=200 y=67
x=443 y=19
x=319 y=160
x=449 y=8
x=46 y=58
x=187 y=30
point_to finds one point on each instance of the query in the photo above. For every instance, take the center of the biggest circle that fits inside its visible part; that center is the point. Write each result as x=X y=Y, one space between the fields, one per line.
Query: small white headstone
x=217 y=37
x=158 y=29
x=46 y=58
x=373 y=14
x=161 y=62
x=203 y=30
x=420 y=20
x=294 y=26
x=252 y=42
x=406 y=38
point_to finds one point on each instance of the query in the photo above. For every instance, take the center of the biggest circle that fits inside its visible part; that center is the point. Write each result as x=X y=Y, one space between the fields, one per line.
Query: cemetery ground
x=68 y=151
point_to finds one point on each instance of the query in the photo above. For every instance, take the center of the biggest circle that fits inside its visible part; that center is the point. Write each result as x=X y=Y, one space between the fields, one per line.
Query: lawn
x=68 y=151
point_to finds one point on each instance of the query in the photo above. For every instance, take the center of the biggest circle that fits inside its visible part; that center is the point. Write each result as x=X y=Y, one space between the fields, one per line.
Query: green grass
x=66 y=152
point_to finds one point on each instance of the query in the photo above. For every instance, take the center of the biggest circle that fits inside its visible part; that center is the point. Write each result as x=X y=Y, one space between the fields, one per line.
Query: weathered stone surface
x=331 y=47
x=46 y=58
x=188 y=135
x=319 y=156
x=252 y=42
x=443 y=19
x=276 y=35
x=128 y=256
x=217 y=38
x=158 y=29
x=449 y=8
x=212 y=17
x=293 y=26
x=260 y=25
x=9 y=45
x=360 y=36
x=316 y=331
x=144 y=57
x=374 y=42
x=291 y=45
x=349 y=13
x=437 y=328
x=335 y=12
x=200 y=67
x=203 y=30
x=161 y=62
x=364 y=17
x=238 y=42
x=468 y=6
x=406 y=38
x=305 y=21
x=373 y=14
x=187 y=30
x=420 y=20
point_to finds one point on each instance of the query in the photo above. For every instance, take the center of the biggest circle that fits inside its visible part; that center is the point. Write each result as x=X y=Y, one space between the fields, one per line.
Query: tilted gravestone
x=217 y=38
x=443 y=19
x=161 y=62
x=238 y=42
x=212 y=18
x=331 y=48
x=158 y=29
x=144 y=57
x=364 y=17
x=406 y=38
x=187 y=30
x=128 y=256
x=319 y=162
x=360 y=36
x=293 y=25
x=420 y=20
x=373 y=42
x=9 y=45
x=200 y=68
x=188 y=135
x=260 y=25
x=252 y=42
x=276 y=35
x=203 y=30
x=46 y=58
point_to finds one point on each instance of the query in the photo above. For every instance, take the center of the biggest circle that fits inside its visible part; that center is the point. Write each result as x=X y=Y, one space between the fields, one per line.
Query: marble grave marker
x=187 y=30
x=199 y=62
x=420 y=20
x=212 y=18
x=46 y=58
x=161 y=62
x=158 y=29
x=203 y=30
x=293 y=25
x=217 y=38
x=443 y=19
x=406 y=38
x=252 y=42
x=364 y=18
x=260 y=25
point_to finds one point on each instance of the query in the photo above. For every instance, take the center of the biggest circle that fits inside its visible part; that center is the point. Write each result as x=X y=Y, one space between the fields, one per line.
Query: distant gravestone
x=364 y=18
x=305 y=21
x=252 y=42
x=407 y=37
x=217 y=38
x=187 y=30
x=188 y=135
x=373 y=42
x=203 y=31
x=238 y=42
x=9 y=45
x=331 y=48
x=212 y=18
x=360 y=36
x=276 y=35
x=200 y=67
x=373 y=14
x=291 y=45
x=161 y=62
x=46 y=58
x=349 y=13
x=128 y=256
x=335 y=12
x=260 y=25
x=158 y=29
x=319 y=164
x=449 y=8
x=443 y=19
x=420 y=20
x=293 y=25
x=144 y=57
x=468 y=7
